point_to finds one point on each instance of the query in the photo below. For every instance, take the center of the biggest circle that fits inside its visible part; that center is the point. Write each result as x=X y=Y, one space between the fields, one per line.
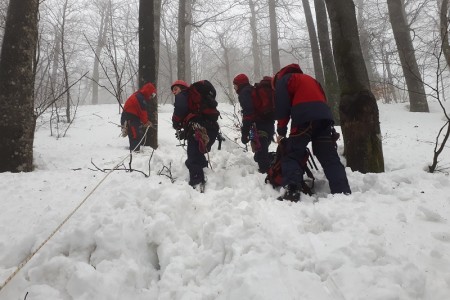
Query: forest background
x=88 y=50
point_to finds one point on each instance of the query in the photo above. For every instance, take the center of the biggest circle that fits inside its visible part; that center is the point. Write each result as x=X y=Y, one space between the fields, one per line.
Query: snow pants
x=196 y=160
x=135 y=132
x=324 y=148
x=262 y=155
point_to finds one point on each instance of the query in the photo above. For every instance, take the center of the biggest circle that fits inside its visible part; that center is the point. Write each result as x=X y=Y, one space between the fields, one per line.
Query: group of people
x=299 y=100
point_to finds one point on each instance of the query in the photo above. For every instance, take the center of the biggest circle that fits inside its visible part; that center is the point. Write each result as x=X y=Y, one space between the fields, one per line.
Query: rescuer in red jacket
x=134 y=116
x=300 y=100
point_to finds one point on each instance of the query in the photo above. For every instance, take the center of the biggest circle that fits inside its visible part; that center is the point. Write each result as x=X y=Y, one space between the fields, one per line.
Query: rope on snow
x=31 y=255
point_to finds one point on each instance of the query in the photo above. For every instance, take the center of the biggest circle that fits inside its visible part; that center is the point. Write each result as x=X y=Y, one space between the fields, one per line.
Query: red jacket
x=299 y=98
x=136 y=104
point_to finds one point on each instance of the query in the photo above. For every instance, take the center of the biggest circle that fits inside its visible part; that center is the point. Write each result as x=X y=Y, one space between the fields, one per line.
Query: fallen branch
x=124 y=168
x=168 y=169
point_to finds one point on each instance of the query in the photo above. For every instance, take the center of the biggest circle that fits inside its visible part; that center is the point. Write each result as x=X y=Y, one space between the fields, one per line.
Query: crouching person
x=299 y=99
x=134 y=116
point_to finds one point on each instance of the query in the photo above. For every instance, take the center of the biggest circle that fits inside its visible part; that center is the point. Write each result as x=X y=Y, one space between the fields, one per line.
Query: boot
x=292 y=193
x=200 y=187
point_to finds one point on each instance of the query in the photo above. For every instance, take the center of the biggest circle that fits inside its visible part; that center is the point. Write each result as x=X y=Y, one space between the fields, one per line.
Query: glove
x=244 y=139
x=334 y=134
x=148 y=124
x=220 y=137
x=177 y=125
x=124 y=130
x=180 y=134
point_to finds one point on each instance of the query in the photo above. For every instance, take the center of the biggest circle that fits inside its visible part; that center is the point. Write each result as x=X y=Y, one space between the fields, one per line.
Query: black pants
x=135 y=132
x=196 y=160
x=324 y=148
x=262 y=155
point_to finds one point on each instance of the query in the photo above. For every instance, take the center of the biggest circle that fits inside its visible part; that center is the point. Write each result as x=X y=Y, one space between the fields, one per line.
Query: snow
x=121 y=235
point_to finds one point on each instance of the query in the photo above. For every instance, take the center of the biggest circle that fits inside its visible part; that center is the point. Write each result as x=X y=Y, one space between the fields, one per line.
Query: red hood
x=147 y=90
x=292 y=68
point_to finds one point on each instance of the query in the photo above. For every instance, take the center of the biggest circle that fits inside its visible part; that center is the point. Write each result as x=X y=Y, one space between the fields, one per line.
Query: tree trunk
x=255 y=46
x=331 y=82
x=181 y=43
x=358 y=108
x=390 y=95
x=55 y=63
x=17 y=122
x=149 y=16
x=101 y=40
x=444 y=31
x=313 y=42
x=417 y=99
x=187 y=42
x=64 y=65
x=365 y=41
x=170 y=60
x=275 y=54
x=227 y=66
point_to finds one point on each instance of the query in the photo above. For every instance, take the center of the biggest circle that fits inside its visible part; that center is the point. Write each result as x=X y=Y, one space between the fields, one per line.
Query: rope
x=31 y=255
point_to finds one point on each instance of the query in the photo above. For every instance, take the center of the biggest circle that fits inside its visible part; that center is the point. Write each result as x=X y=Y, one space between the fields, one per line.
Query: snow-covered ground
x=137 y=237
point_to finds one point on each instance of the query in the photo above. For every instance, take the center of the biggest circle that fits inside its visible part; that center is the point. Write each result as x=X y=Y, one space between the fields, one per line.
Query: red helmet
x=240 y=79
x=182 y=84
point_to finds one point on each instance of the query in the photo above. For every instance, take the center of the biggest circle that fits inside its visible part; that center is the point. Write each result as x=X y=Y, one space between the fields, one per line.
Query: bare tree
x=444 y=131
x=149 y=16
x=417 y=98
x=444 y=24
x=16 y=100
x=104 y=11
x=225 y=50
x=388 y=88
x=169 y=44
x=275 y=54
x=443 y=134
x=315 y=52
x=366 y=41
x=64 y=63
x=187 y=39
x=255 y=45
x=54 y=86
x=120 y=50
x=358 y=108
x=227 y=65
x=181 y=57
x=331 y=83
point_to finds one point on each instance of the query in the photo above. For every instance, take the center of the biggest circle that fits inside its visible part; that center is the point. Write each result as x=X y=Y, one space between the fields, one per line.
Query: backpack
x=263 y=100
x=202 y=100
x=274 y=173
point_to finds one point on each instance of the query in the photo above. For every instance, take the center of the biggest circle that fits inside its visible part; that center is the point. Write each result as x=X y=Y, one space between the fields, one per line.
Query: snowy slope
x=137 y=237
